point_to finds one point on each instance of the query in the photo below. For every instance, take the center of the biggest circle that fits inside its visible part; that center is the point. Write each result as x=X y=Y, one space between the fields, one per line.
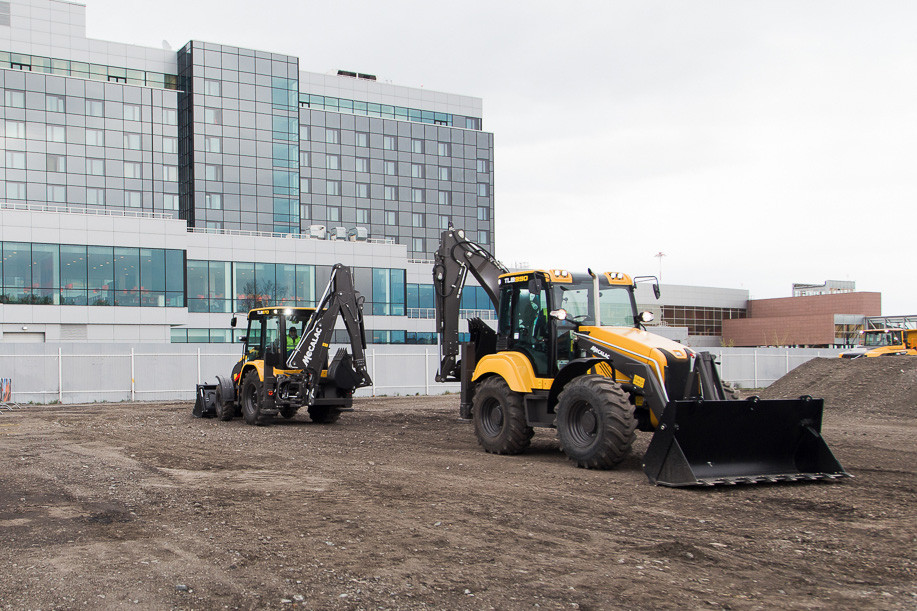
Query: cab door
x=524 y=323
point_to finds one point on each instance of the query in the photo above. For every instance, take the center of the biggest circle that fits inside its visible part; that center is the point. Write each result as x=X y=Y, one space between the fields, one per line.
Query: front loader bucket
x=705 y=443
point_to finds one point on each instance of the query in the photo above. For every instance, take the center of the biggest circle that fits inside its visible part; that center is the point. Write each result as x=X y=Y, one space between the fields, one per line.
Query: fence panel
x=86 y=374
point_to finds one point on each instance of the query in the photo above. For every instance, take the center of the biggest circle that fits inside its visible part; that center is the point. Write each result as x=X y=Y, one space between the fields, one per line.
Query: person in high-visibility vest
x=292 y=340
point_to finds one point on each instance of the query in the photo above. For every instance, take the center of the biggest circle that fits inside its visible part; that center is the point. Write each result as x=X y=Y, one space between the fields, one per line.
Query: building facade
x=233 y=139
x=147 y=194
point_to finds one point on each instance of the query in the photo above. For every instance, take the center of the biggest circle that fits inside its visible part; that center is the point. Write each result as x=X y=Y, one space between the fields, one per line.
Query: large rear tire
x=595 y=422
x=499 y=418
x=251 y=400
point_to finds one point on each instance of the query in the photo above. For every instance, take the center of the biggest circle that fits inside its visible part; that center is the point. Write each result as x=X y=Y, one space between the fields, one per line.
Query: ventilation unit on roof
x=368 y=77
x=347 y=73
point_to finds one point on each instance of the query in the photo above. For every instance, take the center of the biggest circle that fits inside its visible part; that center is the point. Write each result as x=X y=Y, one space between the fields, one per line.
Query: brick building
x=825 y=320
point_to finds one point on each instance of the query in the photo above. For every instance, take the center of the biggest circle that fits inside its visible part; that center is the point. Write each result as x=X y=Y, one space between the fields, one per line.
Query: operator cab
x=539 y=310
x=278 y=329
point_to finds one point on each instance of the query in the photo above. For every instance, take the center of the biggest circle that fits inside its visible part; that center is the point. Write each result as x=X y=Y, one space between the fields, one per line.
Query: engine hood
x=638 y=341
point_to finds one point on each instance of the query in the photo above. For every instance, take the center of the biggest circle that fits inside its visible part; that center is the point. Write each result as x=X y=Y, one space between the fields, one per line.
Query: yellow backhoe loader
x=570 y=351
x=284 y=365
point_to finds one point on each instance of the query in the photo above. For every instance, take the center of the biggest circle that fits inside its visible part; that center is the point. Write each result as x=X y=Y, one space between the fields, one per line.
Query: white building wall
x=57 y=29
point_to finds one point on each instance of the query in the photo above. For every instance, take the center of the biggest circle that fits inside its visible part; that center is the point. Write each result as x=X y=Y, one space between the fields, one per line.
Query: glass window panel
x=426 y=296
x=381 y=292
x=397 y=292
x=95 y=137
x=95 y=167
x=55 y=103
x=14 y=99
x=305 y=285
x=73 y=275
x=198 y=274
x=265 y=283
x=95 y=108
x=55 y=133
x=132 y=141
x=15 y=160
x=15 y=190
x=17 y=272
x=131 y=112
x=133 y=169
x=101 y=275
x=244 y=286
x=220 y=286
x=175 y=270
x=127 y=276
x=15 y=129
x=152 y=277
x=45 y=273
x=286 y=284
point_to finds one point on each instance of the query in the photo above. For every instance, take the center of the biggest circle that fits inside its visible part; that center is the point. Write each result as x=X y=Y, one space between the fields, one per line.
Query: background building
x=825 y=320
x=230 y=138
x=827 y=288
x=146 y=194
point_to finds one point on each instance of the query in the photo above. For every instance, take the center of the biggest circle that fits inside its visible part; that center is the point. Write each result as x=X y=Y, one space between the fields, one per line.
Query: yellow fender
x=515 y=368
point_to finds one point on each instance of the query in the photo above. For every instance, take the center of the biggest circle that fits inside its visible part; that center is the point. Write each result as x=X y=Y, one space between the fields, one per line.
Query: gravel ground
x=396 y=507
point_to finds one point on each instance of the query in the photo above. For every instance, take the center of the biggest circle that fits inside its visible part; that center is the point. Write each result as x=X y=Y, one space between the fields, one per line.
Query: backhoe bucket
x=204 y=402
x=705 y=443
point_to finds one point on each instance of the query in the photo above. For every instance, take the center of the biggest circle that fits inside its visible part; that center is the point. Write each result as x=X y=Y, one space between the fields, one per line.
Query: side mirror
x=534 y=285
x=233 y=322
x=645 y=317
x=656 y=291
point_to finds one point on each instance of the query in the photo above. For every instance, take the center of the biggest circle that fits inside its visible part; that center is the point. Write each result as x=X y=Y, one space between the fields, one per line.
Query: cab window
x=254 y=347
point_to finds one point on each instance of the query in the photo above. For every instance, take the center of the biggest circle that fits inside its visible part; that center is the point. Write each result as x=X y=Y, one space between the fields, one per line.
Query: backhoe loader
x=284 y=361
x=571 y=352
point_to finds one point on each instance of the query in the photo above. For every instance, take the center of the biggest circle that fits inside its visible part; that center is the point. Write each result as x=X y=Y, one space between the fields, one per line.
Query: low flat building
x=820 y=320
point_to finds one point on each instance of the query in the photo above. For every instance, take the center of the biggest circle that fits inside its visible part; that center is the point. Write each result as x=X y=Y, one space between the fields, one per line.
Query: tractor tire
x=595 y=422
x=226 y=410
x=499 y=418
x=251 y=400
x=324 y=414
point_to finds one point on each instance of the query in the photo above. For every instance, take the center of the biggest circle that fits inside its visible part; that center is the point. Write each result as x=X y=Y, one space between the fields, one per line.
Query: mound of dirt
x=883 y=385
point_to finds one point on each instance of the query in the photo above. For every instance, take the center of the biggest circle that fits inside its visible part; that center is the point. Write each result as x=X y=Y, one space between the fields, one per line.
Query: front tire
x=595 y=422
x=499 y=418
x=225 y=410
x=324 y=414
x=251 y=400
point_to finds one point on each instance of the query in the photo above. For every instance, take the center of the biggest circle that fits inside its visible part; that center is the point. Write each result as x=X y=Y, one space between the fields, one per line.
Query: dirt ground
x=395 y=507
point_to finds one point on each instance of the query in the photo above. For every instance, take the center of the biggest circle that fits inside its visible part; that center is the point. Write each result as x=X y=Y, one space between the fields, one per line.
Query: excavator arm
x=453 y=261
x=310 y=354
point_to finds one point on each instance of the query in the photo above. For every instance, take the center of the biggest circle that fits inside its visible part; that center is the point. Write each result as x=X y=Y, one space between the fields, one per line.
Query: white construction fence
x=86 y=373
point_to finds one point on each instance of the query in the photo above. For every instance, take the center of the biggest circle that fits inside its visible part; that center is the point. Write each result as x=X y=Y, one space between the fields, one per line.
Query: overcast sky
x=755 y=143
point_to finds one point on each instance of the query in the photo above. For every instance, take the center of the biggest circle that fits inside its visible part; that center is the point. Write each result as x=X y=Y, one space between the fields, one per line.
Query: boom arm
x=455 y=258
x=342 y=298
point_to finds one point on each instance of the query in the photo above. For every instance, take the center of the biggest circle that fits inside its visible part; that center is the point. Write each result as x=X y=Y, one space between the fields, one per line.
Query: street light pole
x=660 y=255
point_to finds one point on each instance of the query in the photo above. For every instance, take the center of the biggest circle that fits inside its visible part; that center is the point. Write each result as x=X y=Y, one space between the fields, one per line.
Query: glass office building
x=195 y=183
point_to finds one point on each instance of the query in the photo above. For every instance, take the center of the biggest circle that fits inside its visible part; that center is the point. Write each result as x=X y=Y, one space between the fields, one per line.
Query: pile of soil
x=884 y=386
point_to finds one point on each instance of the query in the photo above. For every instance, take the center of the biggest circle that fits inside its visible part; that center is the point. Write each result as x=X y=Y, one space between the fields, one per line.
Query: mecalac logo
x=600 y=353
x=313 y=343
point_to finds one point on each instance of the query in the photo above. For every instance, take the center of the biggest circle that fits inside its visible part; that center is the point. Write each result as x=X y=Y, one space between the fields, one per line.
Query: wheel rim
x=492 y=417
x=582 y=423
